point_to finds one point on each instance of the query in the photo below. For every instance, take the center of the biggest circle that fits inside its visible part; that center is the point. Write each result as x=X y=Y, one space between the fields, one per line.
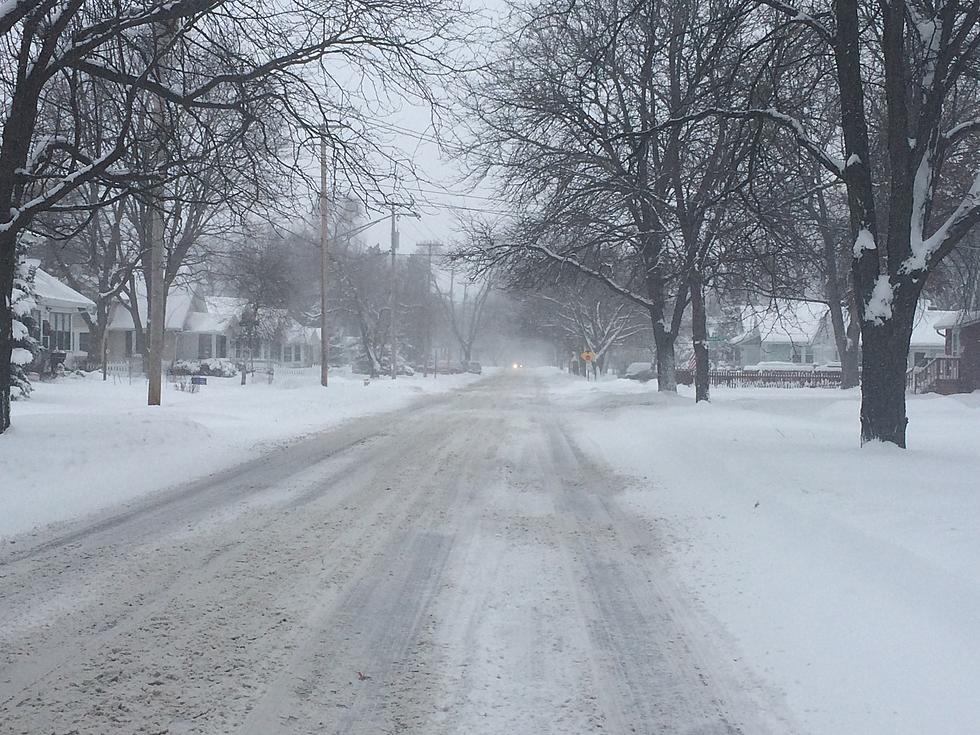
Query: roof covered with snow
x=927 y=322
x=180 y=302
x=782 y=322
x=52 y=293
x=296 y=332
x=225 y=308
x=956 y=318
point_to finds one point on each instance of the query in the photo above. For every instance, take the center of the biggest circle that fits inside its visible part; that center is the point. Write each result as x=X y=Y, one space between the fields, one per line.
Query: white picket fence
x=131 y=370
x=270 y=371
x=128 y=370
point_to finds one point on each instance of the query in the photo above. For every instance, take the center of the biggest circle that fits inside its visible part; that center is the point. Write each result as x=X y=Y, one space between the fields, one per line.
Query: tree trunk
x=846 y=340
x=850 y=374
x=885 y=362
x=845 y=335
x=96 y=341
x=666 y=364
x=699 y=328
x=7 y=266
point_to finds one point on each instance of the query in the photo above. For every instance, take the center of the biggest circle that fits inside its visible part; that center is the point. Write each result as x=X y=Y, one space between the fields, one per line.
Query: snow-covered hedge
x=214 y=367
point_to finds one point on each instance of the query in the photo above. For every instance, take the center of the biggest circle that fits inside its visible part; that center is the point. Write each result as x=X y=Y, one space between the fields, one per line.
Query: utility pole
x=429 y=351
x=393 y=341
x=324 y=242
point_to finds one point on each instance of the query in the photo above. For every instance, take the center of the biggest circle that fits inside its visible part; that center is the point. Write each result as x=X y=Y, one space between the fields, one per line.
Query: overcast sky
x=439 y=192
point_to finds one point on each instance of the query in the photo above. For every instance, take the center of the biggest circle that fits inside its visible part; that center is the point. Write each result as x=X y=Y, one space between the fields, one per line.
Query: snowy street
x=459 y=566
x=492 y=367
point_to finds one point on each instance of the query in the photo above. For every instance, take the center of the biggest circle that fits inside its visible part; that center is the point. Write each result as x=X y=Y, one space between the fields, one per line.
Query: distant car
x=474 y=367
x=642 y=371
x=517 y=365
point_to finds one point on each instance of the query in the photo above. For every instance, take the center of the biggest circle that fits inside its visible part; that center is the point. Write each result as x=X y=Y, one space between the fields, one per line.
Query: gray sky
x=439 y=192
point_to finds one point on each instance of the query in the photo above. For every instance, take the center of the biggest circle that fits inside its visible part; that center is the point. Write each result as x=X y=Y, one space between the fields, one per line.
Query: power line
x=461 y=207
x=391 y=128
x=447 y=192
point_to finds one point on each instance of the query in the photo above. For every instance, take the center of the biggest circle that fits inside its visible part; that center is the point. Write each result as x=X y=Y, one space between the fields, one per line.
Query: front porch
x=958 y=371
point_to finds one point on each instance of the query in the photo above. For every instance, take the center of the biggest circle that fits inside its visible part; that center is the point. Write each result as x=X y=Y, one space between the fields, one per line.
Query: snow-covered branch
x=794 y=15
x=615 y=286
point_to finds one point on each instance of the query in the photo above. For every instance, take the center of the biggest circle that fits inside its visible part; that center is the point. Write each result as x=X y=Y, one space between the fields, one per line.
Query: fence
x=129 y=369
x=766 y=378
x=284 y=371
x=269 y=370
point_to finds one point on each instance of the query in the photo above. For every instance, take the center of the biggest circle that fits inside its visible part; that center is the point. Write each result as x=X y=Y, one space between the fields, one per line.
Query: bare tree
x=464 y=305
x=242 y=59
x=590 y=319
x=570 y=118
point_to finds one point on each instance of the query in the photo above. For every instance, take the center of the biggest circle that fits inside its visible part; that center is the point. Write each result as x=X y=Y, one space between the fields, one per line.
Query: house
x=268 y=335
x=205 y=327
x=803 y=333
x=179 y=341
x=785 y=332
x=962 y=345
x=928 y=336
x=60 y=325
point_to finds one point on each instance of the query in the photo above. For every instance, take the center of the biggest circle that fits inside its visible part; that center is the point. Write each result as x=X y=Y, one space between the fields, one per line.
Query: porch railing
x=937 y=375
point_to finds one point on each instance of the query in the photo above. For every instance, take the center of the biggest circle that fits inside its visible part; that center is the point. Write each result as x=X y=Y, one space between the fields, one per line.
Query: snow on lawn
x=849 y=577
x=81 y=444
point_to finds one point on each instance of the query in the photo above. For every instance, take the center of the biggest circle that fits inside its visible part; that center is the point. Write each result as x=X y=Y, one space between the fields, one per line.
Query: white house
x=784 y=331
x=60 y=326
x=121 y=330
x=280 y=338
x=802 y=332
x=205 y=327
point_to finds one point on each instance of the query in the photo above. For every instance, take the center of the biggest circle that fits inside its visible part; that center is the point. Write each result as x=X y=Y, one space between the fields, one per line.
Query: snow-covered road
x=456 y=567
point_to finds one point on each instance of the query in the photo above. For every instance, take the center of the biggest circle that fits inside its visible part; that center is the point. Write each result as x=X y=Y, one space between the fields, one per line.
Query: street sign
x=588 y=356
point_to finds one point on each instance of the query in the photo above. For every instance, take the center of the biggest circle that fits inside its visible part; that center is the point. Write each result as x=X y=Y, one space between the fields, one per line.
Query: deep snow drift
x=849 y=578
x=81 y=444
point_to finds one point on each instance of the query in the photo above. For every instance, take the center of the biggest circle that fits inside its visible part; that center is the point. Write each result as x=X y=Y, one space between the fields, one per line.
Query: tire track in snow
x=271 y=551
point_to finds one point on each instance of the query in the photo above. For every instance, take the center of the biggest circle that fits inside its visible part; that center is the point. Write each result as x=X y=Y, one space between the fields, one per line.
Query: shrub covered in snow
x=214 y=367
x=25 y=347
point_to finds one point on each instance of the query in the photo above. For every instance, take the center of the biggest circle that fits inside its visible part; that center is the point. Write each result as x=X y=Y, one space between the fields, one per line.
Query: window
x=221 y=346
x=83 y=341
x=920 y=358
x=129 y=344
x=287 y=353
x=57 y=332
x=203 y=346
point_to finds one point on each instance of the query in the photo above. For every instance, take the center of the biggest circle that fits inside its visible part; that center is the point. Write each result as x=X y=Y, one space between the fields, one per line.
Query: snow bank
x=849 y=577
x=79 y=445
